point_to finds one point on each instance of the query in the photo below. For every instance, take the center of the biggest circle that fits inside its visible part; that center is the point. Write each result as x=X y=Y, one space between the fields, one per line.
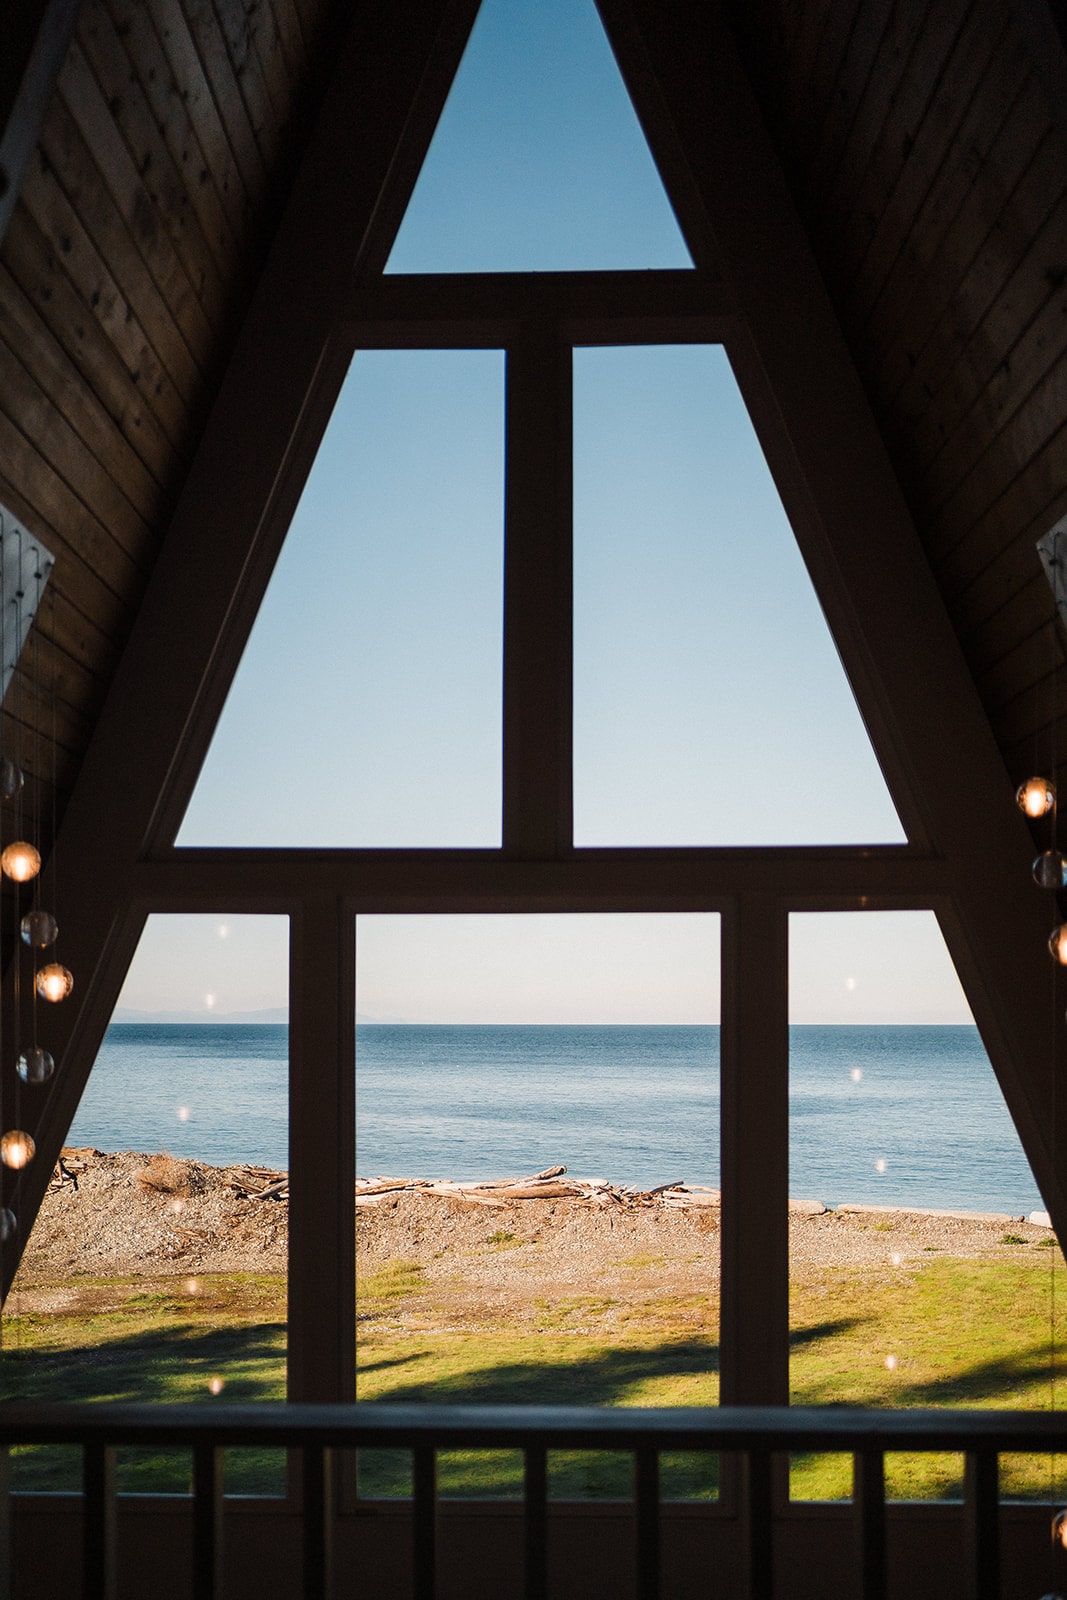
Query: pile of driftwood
x=258 y=1183
x=552 y=1184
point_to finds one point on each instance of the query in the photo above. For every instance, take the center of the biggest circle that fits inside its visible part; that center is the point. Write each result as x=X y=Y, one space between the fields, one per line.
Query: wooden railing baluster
x=207 y=1522
x=99 y=1547
x=758 y=1508
x=646 y=1517
x=982 y=1519
x=424 y=1522
x=868 y=1497
x=535 y=1501
x=317 y=1480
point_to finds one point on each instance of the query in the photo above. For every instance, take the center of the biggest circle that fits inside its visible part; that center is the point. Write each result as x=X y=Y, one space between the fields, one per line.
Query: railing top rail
x=556 y=1427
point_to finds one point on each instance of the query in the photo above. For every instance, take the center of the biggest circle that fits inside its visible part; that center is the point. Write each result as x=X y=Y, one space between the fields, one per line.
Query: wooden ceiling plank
x=876 y=589
x=193 y=89
x=150 y=175
x=239 y=26
x=1031 y=297
x=1021 y=668
x=70 y=321
x=96 y=168
x=218 y=70
x=36 y=37
x=812 y=27
x=1016 y=617
x=32 y=343
x=173 y=115
x=289 y=32
x=951 y=234
x=983 y=403
x=373 y=130
x=105 y=298
x=837 y=204
x=107 y=572
x=853 y=76
x=891 y=154
x=935 y=137
x=980 y=592
x=1035 y=498
x=1007 y=464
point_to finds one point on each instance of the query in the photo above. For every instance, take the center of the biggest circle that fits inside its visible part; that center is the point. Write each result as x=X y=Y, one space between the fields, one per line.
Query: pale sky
x=710 y=705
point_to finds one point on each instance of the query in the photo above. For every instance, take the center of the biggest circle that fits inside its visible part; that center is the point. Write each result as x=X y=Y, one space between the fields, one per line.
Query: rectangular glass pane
x=537 y=1106
x=157 y=1268
x=917 y=1275
x=372 y=680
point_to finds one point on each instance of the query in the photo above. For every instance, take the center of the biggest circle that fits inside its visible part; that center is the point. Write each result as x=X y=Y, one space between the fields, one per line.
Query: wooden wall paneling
x=1023 y=461
x=853 y=75
x=1019 y=613
x=978 y=595
x=976 y=46
x=841 y=204
x=952 y=230
x=218 y=70
x=980 y=409
x=102 y=570
x=70 y=321
x=288 y=31
x=105 y=298
x=194 y=91
x=36 y=37
x=170 y=111
x=240 y=22
x=31 y=342
x=1021 y=668
x=35 y=702
x=882 y=196
x=97 y=170
x=835 y=479
x=992 y=557
x=374 y=126
x=122 y=537
x=1030 y=299
x=148 y=171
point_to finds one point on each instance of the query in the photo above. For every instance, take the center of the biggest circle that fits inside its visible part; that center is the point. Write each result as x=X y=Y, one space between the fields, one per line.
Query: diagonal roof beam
x=855 y=532
x=376 y=121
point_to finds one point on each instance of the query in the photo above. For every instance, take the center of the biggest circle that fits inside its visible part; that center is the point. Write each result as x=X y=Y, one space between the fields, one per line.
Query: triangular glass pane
x=710 y=704
x=538 y=162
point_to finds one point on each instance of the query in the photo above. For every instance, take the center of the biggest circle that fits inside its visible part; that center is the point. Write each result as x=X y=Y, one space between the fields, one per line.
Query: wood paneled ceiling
x=924 y=155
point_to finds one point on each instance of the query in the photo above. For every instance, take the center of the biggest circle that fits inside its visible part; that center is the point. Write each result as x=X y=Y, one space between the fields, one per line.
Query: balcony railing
x=317 y=1432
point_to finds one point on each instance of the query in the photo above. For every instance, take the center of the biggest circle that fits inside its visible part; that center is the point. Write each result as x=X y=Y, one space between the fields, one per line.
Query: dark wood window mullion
x=754 y=1319
x=537 y=800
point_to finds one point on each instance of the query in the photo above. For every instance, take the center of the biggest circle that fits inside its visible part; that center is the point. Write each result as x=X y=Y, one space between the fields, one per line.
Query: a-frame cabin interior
x=197 y=202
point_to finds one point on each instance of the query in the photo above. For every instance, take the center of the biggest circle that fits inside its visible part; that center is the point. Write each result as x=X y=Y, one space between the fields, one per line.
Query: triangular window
x=538 y=162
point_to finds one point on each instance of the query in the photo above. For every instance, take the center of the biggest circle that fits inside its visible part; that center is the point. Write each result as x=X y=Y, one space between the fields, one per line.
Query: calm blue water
x=636 y=1105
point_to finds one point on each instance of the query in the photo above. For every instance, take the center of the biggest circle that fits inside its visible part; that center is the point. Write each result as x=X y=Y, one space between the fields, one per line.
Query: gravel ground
x=134 y=1214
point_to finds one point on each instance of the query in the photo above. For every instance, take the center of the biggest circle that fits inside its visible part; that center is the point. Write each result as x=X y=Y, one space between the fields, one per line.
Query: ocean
x=878 y=1115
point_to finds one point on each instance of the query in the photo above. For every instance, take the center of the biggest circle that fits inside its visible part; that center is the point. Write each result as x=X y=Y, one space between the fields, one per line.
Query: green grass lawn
x=971 y=1333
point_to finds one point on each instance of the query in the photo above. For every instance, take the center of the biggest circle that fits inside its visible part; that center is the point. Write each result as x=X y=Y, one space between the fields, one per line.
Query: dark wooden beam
x=34 y=36
x=890 y=624
x=374 y=126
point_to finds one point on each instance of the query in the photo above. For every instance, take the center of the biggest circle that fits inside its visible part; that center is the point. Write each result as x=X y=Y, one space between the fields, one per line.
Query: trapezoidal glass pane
x=537 y=1149
x=710 y=705
x=538 y=162
x=923 y=1271
x=366 y=710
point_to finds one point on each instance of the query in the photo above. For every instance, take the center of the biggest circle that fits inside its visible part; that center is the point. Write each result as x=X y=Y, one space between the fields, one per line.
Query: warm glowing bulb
x=1059 y=1528
x=17 y=1149
x=891 y=1363
x=21 y=861
x=35 y=1065
x=54 y=982
x=1057 y=944
x=216 y=1385
x=1036 y=796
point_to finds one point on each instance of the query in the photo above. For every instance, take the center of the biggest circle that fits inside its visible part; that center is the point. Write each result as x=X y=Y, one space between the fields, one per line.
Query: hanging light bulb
x=21 y=861
x=10 y=778
x=8 y=1225
x=1036 y=796
x=1057 y=944
x=41 y=929
x=54 y=982
x=17 y=1149
x=1050 y=870
x=35 y=1065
